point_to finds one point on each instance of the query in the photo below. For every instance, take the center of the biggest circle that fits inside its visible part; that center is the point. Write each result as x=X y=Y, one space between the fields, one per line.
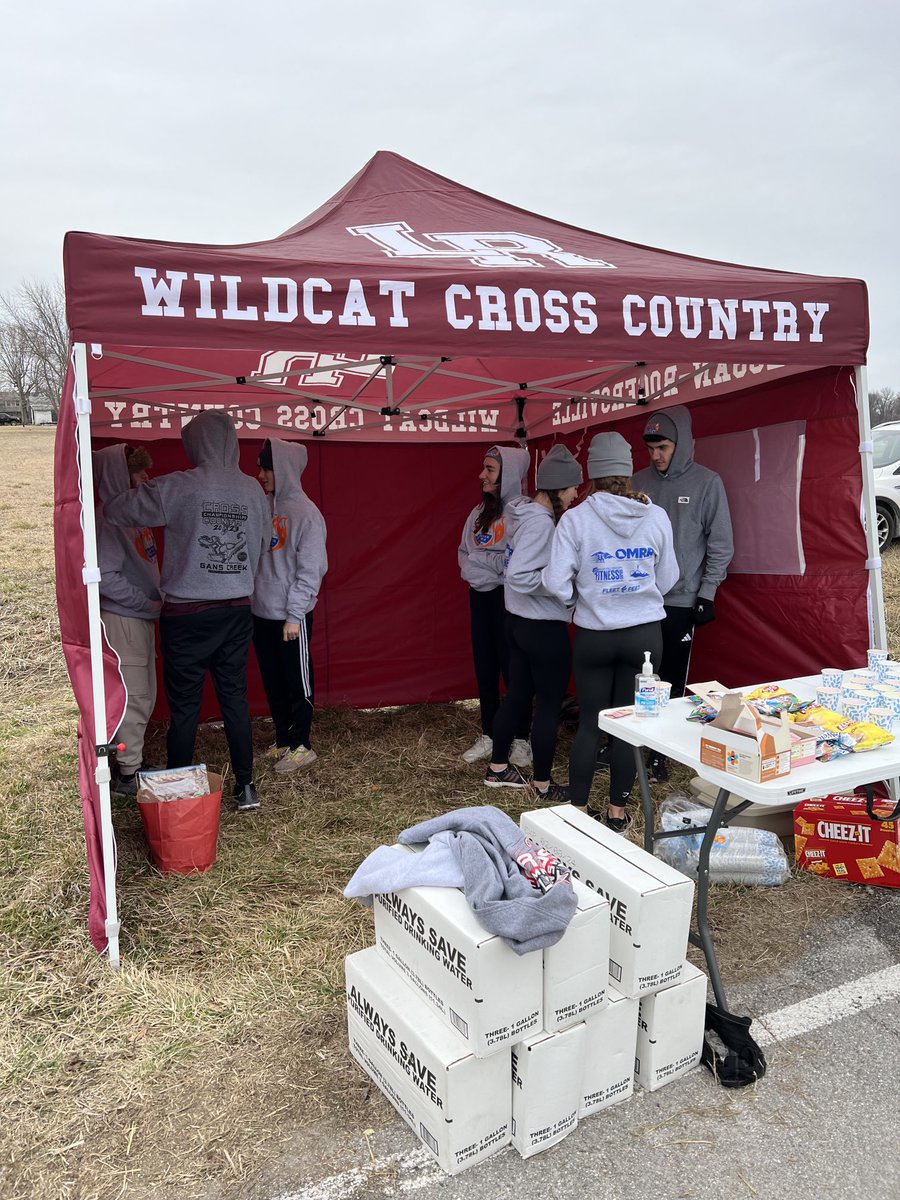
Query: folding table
x=677 y=738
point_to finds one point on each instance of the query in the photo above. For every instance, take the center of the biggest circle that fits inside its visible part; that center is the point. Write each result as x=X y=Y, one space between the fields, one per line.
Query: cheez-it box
x=835 y=838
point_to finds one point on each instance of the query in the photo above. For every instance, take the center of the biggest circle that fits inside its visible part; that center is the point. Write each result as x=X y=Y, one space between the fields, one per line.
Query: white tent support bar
x=877 y=627
x=418 y=383
x=92 y=584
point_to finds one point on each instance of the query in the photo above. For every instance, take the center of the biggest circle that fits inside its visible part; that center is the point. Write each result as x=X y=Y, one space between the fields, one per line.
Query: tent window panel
x=761 y=470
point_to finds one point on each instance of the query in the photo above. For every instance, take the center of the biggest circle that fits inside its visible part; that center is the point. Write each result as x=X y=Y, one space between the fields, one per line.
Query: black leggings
x=539 y=664
x=606 y=662
x=490 y=652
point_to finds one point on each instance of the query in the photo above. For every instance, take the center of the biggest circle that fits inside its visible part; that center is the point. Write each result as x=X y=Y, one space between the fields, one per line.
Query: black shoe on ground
x=510 y=776
x=620 y=824
x=554 y=793
x=657 y=768
x=245 y=797
x=124 y=785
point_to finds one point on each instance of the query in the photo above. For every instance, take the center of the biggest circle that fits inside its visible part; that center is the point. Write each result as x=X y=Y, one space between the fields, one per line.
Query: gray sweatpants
x=134 y=640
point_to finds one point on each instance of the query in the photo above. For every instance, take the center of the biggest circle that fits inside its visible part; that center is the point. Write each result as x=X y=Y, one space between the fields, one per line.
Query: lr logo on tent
x=490 y=249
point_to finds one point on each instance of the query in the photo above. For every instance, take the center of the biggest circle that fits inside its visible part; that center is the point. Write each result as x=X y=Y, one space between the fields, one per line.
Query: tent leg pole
x=91 y=576
x=877 y=627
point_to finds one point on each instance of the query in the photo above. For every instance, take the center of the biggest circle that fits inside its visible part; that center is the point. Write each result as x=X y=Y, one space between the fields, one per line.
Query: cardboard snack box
x=835 y=838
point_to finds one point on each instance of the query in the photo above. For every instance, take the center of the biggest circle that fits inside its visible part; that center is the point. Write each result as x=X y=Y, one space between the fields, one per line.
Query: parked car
x=9 y=419
x=886 y=464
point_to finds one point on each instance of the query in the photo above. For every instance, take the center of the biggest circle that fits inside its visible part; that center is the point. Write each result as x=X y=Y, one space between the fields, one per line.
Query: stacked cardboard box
x=477 y=1046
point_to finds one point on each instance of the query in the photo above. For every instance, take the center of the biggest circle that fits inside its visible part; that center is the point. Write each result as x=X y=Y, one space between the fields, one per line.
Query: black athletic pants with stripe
x=287 y=676
x=490 y=653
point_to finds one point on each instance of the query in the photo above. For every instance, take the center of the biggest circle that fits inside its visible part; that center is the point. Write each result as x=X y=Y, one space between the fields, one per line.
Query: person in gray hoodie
x=129 y=604
x=540 y=651
x=218 y=526
x=287 y=585
x=481 y=555
x=695 y=501
x=613 y=558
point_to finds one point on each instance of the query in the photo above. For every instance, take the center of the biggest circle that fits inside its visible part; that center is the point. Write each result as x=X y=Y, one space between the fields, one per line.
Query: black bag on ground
x=743 y=1062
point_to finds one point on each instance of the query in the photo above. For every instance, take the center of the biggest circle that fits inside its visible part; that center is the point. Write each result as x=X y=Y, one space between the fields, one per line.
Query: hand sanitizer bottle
x=646 y=696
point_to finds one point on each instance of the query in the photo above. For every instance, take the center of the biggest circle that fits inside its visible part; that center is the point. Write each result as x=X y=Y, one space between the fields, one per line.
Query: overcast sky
x=762 y=133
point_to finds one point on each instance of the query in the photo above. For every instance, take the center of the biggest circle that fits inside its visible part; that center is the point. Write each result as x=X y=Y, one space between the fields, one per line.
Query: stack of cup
x=875 y=660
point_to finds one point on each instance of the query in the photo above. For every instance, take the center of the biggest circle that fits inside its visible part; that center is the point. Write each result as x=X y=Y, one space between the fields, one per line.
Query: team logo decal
x=279 y=533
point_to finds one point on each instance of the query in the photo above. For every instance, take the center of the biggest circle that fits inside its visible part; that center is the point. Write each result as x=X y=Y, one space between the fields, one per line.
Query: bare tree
x=17 y=367
x=38 y=313
x=884 y=405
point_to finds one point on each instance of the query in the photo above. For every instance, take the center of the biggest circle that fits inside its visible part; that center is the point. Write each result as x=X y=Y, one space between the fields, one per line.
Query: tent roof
x=403 y=261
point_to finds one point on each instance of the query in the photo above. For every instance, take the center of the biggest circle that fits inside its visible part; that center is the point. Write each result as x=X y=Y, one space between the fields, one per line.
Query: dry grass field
x=218 y=1048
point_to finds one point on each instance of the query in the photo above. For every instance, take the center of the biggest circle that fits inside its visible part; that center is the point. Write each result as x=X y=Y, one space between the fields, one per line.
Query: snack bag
x=770 y=699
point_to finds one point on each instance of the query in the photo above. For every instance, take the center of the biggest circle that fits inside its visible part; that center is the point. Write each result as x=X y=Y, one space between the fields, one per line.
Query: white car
x=886 y=463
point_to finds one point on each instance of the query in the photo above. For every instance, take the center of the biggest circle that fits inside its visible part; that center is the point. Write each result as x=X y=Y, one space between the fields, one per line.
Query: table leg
x=704 y=936
x=646 y=798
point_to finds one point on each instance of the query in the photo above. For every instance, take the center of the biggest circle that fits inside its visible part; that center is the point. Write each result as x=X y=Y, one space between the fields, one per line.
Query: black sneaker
x=657 y=768
x=554 y=793
x=124 y=785
x=620 y=824
x=510 y=776
x=245 y=797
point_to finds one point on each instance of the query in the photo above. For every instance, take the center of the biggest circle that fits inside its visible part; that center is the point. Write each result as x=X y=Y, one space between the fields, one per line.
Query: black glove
x=704 y=612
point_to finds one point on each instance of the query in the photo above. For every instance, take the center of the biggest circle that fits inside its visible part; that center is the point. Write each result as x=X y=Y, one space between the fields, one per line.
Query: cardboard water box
x=670 y=1030
x=576 y=969
x=459 y=1106
x=489 y=995
x=546 y=1092
x=835 y=838
x=649 y=902
x=607 y=1076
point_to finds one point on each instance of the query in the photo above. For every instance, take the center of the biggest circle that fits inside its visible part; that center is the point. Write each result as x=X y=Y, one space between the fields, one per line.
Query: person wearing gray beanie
x=609 y=457
x=538 y=626
x=481 y=556
x=613 y=558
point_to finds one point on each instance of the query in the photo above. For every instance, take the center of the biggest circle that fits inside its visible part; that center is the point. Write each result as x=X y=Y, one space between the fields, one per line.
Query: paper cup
x=832 y=677
x=882 y=717
x=874 y=657
x=830 y=698
x=663 y=691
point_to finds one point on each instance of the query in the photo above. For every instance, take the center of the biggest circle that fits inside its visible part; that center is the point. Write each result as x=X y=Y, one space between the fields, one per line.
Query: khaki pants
x=134 y=640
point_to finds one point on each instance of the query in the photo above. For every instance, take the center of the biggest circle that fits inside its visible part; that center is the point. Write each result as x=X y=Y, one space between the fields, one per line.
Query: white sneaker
x=483 y=747
x=520 y=753
x=293 y=760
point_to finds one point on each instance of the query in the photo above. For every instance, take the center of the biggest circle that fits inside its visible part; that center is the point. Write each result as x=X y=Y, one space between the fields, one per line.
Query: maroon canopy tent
x=402 y=328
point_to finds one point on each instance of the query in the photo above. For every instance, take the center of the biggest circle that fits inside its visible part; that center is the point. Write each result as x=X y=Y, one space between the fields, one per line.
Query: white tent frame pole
x=91 y=577
x=877 y=626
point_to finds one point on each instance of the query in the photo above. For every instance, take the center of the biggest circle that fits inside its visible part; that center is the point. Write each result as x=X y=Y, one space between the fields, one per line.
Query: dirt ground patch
x=219 y=1046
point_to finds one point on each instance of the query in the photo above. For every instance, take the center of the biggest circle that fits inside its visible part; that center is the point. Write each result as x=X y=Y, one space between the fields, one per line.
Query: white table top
x=673 y=735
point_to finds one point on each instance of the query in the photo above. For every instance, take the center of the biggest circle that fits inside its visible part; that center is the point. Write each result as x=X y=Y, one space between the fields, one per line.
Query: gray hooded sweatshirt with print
x=290 y=575
x=216 y=518
x=129 y=563
x=612 y=557
x=529 y=552
x=694 y=498
x=481 y=555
